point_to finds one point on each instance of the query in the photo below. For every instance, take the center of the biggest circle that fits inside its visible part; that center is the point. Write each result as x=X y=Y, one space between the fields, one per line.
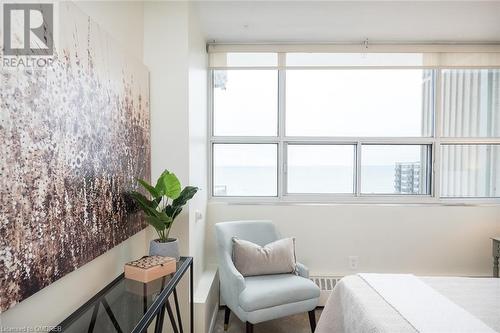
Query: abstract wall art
x=73 y=139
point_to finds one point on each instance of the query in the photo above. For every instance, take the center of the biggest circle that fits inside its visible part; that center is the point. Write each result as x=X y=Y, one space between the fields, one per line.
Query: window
x=358 y=102
x=470 y=171
x=245 y=169
x=395 y=169
x=471 y=102
x=355 y=127
x=471 y=112
x=320 y=168
x=245 y=102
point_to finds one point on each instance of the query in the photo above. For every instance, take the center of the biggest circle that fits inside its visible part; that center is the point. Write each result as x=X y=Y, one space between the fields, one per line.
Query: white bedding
x=423 y=307
x=355 y=306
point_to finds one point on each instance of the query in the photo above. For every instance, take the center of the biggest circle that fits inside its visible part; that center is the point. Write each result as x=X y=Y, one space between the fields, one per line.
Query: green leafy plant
x=167 y=200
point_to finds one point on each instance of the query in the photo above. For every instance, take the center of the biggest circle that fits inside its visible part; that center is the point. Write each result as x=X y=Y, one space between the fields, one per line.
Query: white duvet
x=357 y=306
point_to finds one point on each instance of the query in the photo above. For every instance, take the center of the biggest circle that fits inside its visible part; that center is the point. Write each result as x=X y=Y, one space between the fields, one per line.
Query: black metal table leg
x=171 y=316
x=159 y=320
x=191 y=297
x=177 y=310
x=94 y=317
x=111 y=315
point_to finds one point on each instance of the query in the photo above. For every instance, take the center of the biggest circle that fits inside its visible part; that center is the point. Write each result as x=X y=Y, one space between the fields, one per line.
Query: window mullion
x=357 y=171
x=436 y=151
x=282 y=178
x=210 y=133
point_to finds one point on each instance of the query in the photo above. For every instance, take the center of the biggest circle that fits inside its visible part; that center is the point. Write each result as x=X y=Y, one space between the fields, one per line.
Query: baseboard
x=213 y=321
x=207 y=302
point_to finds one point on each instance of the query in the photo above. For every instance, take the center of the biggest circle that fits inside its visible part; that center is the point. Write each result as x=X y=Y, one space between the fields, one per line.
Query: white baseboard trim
x=207 y=302
x=213 y=321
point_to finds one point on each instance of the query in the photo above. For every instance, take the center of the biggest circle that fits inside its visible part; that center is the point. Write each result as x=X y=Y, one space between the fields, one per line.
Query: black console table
x=496 y=255
x=125 y=305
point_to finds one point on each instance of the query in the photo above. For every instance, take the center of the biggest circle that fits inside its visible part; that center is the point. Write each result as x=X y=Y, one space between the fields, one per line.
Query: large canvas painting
x=74 y=137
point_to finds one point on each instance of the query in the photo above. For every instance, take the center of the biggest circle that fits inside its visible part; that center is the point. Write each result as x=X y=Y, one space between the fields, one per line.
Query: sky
x=341 y=103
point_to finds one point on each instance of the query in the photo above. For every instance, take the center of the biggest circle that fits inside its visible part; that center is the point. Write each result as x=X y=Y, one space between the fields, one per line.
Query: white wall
x=197 y=140
x=174 y=51
x=165 y=54
x=206 y=282
x=425 y=240
x=124 y=21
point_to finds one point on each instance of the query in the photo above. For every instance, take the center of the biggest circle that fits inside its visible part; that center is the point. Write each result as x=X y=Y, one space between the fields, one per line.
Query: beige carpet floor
x=292 y=324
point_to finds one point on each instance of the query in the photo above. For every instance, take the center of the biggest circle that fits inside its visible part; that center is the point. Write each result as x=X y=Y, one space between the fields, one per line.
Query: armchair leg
x=312 y=320
x=227 y=313
x=249 y=327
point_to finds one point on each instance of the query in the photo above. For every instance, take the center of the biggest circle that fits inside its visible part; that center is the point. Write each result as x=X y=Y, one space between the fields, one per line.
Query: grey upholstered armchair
x=255 y=299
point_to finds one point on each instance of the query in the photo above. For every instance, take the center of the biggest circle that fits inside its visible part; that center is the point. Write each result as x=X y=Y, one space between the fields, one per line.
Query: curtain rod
x=365 y=42
x=365 y=45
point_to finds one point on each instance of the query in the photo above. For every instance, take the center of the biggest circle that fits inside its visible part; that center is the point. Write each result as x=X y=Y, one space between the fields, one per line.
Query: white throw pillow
x=274 y=258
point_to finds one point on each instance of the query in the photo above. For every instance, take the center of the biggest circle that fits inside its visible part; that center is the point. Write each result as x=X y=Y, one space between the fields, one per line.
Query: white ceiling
x=350 y=21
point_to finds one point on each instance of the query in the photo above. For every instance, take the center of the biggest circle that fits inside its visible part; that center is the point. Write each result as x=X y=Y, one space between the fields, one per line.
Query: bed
x=404 y=303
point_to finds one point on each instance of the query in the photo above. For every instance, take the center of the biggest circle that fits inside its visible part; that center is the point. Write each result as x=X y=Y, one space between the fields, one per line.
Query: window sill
x=361 y=201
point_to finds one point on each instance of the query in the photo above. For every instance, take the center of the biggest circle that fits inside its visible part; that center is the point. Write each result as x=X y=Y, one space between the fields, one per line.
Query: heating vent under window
x=326 y=285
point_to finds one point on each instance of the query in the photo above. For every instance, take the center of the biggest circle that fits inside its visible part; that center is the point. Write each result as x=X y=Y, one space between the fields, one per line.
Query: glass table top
x=122 y=303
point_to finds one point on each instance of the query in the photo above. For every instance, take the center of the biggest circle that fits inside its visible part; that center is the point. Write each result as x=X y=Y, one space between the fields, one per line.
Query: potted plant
x=166 y=203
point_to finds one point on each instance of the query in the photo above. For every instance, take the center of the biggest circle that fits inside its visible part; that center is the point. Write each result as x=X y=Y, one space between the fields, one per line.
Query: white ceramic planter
x=167 y=249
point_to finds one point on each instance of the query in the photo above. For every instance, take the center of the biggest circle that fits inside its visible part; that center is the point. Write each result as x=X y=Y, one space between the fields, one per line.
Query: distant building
x=407 y=178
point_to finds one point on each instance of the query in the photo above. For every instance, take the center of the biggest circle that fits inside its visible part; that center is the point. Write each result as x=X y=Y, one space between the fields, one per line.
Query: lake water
x=262 y=181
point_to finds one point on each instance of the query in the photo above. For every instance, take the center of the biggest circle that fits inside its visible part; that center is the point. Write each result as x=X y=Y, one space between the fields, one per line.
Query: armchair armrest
x=302 y=270
x=233 y=282
x=237 y=279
